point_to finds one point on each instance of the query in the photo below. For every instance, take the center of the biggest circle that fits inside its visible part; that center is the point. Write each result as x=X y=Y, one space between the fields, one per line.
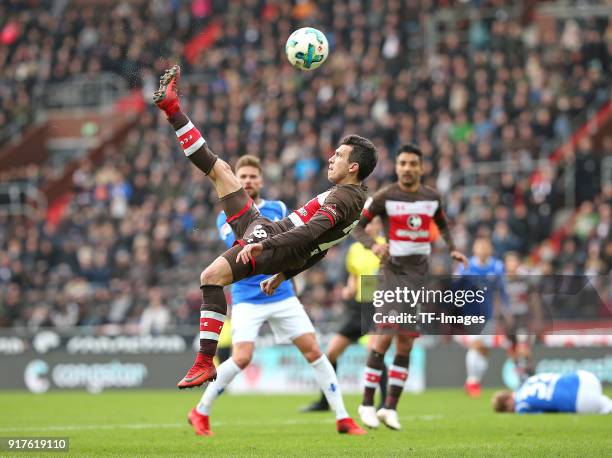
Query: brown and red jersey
x=321 y=223
x=407 y=219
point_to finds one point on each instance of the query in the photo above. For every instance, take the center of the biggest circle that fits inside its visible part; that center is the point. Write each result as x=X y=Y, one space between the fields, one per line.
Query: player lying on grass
x=282 y=310
x=283 y=248
x=579 y=392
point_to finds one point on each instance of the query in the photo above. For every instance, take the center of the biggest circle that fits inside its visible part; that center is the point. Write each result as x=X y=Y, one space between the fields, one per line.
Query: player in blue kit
x=282 y=310
x=484 y=272
x=578 y=392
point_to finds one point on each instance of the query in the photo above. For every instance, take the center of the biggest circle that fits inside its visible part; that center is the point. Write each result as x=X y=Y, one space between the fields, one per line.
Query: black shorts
x=357 y=320
x=249 y=226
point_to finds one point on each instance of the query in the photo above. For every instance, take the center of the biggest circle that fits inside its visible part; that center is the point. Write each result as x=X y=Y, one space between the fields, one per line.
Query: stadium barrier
x=47 y=360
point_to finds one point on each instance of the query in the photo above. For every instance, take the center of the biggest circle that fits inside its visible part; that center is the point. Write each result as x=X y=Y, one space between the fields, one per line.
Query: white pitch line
x=183 y=425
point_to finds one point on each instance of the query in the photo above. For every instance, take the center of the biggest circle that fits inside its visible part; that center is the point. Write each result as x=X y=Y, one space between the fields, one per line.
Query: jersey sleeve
x=332 y=212
x=374 y=206
x=225 y=231
x=334 y=208
x=441 y=221
x=302 y=235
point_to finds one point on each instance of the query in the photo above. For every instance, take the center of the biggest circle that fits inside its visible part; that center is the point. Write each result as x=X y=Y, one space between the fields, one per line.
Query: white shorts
x=590 y=397
x=287 y=319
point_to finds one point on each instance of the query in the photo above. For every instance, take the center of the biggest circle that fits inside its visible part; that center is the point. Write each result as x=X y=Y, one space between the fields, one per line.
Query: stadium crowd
x=132 y=241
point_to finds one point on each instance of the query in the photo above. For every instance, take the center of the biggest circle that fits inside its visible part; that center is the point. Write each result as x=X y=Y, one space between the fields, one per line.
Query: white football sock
x=328 y=382
x=476 y=365
x=225 y=374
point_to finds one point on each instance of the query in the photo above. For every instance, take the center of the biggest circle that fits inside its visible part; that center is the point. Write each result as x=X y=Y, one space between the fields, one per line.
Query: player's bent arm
x=442 y=223
x=301 y=235
x=311 y=262
x=361 y=235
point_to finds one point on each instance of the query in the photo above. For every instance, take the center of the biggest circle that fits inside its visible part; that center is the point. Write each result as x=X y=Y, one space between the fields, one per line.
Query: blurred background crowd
x=489 y=104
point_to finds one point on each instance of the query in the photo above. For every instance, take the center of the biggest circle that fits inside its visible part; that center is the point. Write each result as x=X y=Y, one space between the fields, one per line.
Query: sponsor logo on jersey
x=414 y=221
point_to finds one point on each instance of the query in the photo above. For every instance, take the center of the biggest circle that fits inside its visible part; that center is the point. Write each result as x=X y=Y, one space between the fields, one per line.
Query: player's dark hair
x=410 y=148
x=250 y=161
x=363 y=152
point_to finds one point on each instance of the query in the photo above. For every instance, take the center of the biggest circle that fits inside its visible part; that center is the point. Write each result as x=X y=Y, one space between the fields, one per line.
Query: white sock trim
x=186 y=128
x=196 y=146
x=213 y=315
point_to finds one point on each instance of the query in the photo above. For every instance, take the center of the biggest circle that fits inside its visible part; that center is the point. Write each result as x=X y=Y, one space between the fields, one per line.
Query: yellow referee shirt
x=361 y=261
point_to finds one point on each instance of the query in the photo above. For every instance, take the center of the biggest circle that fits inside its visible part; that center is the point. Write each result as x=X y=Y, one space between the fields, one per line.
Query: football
x=307 y=48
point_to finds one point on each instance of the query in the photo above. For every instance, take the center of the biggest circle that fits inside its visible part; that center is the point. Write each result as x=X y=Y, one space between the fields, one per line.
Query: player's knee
x=222 y=166
x=242 y=359
x=210 y=276
x=218 y=273
x=220 y=169
x=312 y=353
x=404 y=345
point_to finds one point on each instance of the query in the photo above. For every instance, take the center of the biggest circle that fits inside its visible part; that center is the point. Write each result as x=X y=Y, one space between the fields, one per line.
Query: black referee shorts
x=355 y=312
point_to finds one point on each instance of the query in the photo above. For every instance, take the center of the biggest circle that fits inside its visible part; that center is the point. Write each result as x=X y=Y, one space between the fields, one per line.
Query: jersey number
x=325 y=246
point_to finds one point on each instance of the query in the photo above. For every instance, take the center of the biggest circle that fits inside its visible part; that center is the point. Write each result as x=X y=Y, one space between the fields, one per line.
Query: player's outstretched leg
x=231 y=194
x=193 y=144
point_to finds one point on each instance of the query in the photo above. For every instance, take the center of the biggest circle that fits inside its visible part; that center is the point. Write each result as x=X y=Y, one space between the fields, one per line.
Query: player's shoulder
x=429 y=192
x=347 y=194
x=387 y=189
x=498 y=265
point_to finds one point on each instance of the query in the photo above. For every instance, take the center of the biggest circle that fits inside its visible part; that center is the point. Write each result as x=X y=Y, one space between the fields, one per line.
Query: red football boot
x=348 y=426
x=167 y=97
x=472 y=389
x=202 y=371
x=200 y=423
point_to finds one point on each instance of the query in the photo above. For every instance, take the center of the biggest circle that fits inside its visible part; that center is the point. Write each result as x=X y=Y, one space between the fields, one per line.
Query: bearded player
x=407 y=209
x=283 y=248
x=252 y=308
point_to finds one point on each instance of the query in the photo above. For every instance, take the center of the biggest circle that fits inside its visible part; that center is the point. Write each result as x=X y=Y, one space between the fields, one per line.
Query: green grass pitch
x=154 y=423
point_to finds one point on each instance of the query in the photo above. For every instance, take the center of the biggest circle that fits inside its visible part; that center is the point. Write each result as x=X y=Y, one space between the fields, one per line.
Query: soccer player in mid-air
x=251 y=308
x=283 y=248
x=578 y=392
x=407 y=209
